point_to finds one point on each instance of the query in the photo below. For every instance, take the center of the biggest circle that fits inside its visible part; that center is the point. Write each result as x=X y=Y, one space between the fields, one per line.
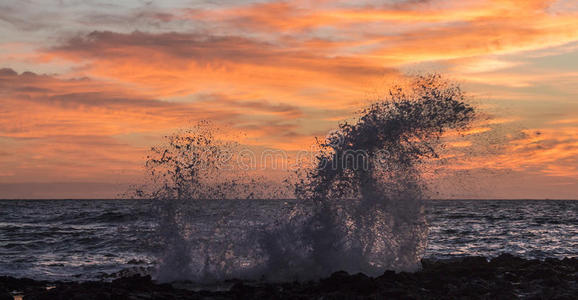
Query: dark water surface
x=82 y=239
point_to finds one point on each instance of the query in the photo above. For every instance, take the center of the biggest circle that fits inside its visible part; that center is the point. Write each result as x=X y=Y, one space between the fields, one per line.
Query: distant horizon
x=99 y=190
x=282 y=199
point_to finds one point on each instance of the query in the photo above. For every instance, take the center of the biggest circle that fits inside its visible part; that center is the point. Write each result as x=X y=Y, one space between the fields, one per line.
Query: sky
x=86 y=86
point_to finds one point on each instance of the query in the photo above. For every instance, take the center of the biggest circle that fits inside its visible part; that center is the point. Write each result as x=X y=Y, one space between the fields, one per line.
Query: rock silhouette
x=505 y=276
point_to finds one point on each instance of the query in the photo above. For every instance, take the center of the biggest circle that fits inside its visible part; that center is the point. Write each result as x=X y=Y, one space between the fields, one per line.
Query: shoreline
x=505 y=276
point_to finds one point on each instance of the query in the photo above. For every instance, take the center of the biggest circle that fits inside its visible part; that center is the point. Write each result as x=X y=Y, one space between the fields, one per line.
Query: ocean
x=86 y=239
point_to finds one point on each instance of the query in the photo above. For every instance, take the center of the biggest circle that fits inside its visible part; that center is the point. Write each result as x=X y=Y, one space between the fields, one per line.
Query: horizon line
x=432 y=199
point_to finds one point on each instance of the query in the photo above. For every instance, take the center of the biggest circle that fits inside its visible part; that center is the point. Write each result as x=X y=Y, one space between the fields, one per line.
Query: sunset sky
x=86 y=86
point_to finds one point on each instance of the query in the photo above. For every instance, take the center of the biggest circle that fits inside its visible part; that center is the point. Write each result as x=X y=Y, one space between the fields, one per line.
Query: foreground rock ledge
x=504 y=277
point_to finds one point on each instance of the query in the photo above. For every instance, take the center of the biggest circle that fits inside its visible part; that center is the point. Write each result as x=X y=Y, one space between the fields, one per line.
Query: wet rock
x=5 y=295
x=389 y=278
x=128 y=272
x=336 y=279
x=135 y=282
x=242 y=290
x=503 y=277
x=507 y=260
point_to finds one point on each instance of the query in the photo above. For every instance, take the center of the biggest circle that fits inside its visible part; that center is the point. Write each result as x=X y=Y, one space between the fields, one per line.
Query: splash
x=359 y=207
x=191 y=169
x=367 y=189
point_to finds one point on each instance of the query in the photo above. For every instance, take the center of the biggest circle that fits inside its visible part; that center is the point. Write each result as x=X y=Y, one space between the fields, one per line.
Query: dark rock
x=241 y=289
x=334 y=281
x=388 y=277
x=133 y=283
x=503 y=277
x=343 y=283
x=507 y=260
x=5 y=295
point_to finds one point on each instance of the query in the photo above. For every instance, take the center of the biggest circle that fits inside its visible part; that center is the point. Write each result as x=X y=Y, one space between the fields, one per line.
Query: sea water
x=84 y=239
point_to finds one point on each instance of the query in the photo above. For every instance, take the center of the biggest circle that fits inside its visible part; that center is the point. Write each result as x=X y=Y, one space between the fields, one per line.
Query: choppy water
x=82 y=239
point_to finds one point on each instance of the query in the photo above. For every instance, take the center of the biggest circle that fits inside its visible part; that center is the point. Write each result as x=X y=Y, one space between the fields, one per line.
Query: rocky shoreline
x=504 y=277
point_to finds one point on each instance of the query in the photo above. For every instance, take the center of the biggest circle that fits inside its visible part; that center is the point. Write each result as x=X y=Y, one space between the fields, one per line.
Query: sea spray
x=191 y=169
x=366 y=190
x=359 y=207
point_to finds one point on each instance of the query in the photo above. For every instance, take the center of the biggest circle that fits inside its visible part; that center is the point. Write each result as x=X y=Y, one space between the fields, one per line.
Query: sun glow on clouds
x=282 y=71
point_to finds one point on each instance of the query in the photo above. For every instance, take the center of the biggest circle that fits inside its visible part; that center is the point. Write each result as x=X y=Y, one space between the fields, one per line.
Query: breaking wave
x=359 y=204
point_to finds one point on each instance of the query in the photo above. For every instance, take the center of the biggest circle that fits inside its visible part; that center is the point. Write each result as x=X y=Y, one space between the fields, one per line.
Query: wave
x=360 y=205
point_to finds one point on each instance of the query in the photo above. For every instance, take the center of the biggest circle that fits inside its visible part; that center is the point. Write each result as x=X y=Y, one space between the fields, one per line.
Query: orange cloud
x=84 y=129
x=42 y=105
x=178 y=64
x=281 y=71
x=549 y=151
x=427 y=31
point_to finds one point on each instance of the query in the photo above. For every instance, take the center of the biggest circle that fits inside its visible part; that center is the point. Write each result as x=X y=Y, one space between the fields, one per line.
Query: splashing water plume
x=366 y=190
x=191 y=168
x=359 y=208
